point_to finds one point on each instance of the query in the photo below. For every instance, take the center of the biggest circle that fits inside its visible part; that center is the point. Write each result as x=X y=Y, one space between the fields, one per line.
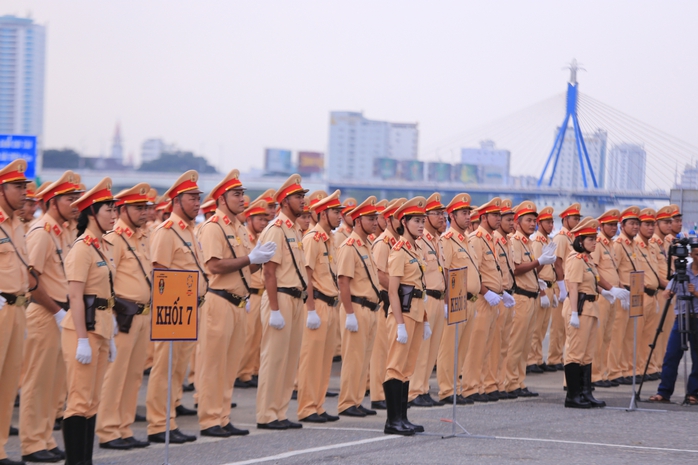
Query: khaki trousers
x=179 y=371
x=84 y=381
x=646 y=329
x=540 y=328
x=122 y=382
x=249 y=365
x=445 y=357
x=315 y=367
x=12 y=324
x=419 y=384
x=621 y=342
x=496 y=372
x=607 y=315
x=191 y=376
x=150 y=355
x=479 y=345
x=356 y=355
x=519 y=342
x=379 y=357
x=280 y=352
x=156 y=396
x=41 y=386
x=557 y=331
x=402 y=358
x=580 y=343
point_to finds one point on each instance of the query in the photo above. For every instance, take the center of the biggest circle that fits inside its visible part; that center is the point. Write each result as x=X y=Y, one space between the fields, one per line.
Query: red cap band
x=586 y=232
x=363 y=211
x=232 y=184
x=100 y=196
x=183 y=187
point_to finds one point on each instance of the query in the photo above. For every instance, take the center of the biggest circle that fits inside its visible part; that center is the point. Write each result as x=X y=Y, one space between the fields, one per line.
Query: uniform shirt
x=342 y=234
x=434 y=274
x=256 y=278
x=84 y=264
x=14 y=277
x=647 y=262
x=286 y=236
x=48 y=244
x=381 y=251
x=627 y=257
x=538 y=240
x=581 y=270
x=169 y=251
x=605 y=259
x=349 y=265
x=506 y=260
x=321 y=257
x=564 y=240
x=129 y=280
x=407 y=263
x=458 y=253
x=217 y=235
x=485 y=254
x=661 y=251
x=522 y=253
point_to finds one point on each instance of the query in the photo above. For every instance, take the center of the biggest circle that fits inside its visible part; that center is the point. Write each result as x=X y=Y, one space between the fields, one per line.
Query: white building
x=22 y=45
x=117 y=147
x=151 y=149
x=689 y=177
x=626 y=168
x=492 y=163
x=355 y=142
x=568 y=173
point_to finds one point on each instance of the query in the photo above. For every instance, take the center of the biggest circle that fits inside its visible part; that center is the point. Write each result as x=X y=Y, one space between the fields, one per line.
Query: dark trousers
x=673 y=356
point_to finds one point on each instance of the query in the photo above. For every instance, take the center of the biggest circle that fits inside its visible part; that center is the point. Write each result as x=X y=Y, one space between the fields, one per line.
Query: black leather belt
x=418 y=293
x=103 y=304
x=331 y=301
x=549 y=284
x=509 y=291
x=255 y=291
x=438 y=295
x=587 y=297
x=64 y=305
x=236 y=300
x=647 y=290
x=293 y=292
x=12 y=299
x=364 y=302
x=472 y=297
x=524 y=292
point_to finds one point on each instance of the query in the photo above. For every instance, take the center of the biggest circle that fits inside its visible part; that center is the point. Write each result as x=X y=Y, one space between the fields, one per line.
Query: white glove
x=446 y=311
x=608 y=295
x=546 y=259
x=58 y=316
x=112 y=350
x=351 y=324
x=427 y=330
x=625 y=304
x=555 y=302
x=313 y=320
x=544 y=301
x=563 y=291
x=3 y=301
x=247 y=306
x=492 y=298
x=83 y=354
x=542 y=285
x=508 y=299
x=574 y=320
x=550 y=248
x=620 y=294
x=116 y=325
x=262 y=253
x=401 y=334
x=276 y=319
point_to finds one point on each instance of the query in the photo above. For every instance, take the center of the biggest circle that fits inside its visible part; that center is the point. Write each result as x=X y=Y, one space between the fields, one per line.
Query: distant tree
x=62 y=159
x=178 y=162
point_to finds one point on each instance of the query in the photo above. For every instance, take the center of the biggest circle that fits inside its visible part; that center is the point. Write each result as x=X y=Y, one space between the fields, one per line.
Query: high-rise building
x=117 y=148
x=151 y=149
x=689 y=177
x=491 y=163
x=22 y=51
x=355 y=142
x=626 y=168
x=568 y=173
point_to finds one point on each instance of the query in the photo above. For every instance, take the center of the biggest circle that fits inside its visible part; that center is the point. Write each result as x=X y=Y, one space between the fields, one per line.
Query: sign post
x=174 y=317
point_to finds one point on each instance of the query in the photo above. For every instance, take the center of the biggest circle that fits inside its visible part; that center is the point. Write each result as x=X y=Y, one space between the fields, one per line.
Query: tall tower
x=117 y=150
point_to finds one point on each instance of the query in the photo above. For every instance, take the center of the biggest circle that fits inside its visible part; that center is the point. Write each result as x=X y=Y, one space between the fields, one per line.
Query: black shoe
x=117 y=444
x=492 y=396
x=215 y=432
x=329 y=417
x=275 y=425
x=477 y=397
x=41 y=456
x=504 y=395
x=574 y=398
x=182 y=411
x=460 y=400
x=534 y=369
x=331 y=394
x=291 y=425
x=393 y=400
x=136 y=444
x=405 y=420
x=548 y=368
x=188 y=387
x=614 y=383
x=367 y=393
x=233 y=405
x=604 y=383
x=621 y=380
x=186 y=437
x=527 y=393
x=352 y=412
x=235 y=431
x=253 y=382
x=314 y=418
x=294 y=395
x=139 y=418
x=146 y=372
x=58 y=453
x=57 y=424
x=513 y=394
x=14 y=431
x=242 y=384
x=366 y=411
x=159 y=438
x=559 y=367
x=337 y=358
x=11 y=462
x=378 y=405
x=655 y=376
x=420 y=401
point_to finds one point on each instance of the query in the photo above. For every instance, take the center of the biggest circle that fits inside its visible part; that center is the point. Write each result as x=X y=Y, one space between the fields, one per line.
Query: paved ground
x=536 y=430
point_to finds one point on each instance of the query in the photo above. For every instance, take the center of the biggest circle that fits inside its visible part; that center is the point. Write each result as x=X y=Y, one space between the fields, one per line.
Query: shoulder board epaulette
x=214 y=219
x=478 y=234
x=371 y=237
x=350 y=241
x=399 y=245
x=598 y=238
x=448 y=235
x=278 y=222
x=168 y=224
x=47 y=227
x=386 y=239
x=118 y=231
x=317 y=236
x=579 y=255
x=540 y=239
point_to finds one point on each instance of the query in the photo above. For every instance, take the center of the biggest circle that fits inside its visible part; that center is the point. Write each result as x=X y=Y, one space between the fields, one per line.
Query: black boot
x=574 y=397
x=74 y=432
x=585 y=384
x=404 y=405
x=393 y=402
x=90 y=444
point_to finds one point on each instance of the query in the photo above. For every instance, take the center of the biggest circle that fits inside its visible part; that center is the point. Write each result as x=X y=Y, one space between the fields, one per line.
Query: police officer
x=381 y=205
x=14 y=283
x=89 y=326
x=30 y=206
x=660 y=243
x=344 y=230
x=48 y=243
x=310 y=200
x=676 y=222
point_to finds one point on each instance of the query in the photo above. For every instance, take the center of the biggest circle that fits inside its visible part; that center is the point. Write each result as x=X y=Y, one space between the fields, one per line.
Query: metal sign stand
x=169 y=404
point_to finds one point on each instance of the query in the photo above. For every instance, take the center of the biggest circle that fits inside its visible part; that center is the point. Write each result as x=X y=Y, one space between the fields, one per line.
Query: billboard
x=439 y=172
x=465 y=173
x=310 y=163
x=384 y=168
x=278 y=161
x=412 y=170
x=14 y=146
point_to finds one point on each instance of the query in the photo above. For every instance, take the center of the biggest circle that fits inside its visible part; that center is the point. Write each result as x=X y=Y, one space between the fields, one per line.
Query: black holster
x=385 y=298
x=405 y=293
x=581 y=299
x=125 y=311
x=90 y=302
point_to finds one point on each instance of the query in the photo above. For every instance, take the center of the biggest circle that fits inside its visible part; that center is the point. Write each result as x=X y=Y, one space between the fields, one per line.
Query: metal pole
x=169 y=400
x=455 y=380
x=632 y=399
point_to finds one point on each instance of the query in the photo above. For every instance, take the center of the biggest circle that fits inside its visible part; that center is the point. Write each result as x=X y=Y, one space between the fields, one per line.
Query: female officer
x=407 y=325
x=88 y=327
x=581 y=312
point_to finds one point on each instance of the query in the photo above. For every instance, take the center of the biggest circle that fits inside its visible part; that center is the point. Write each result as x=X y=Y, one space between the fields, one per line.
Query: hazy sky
x=228 y=78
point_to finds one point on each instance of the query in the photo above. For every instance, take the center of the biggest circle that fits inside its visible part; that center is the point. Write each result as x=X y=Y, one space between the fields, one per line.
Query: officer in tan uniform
x=256 y=215
x=268 y=197
x=173 y=245
x=458 y=253
x=14 y=284
x=358 y=286
x=26 y=214
x=310 y=200
x=660 y=242
x=676 y=222
x=344 y=230
x=318 y=346
x=380 y=249
x=282 y=312
x=132 y=287
x=381 y=205
x=435 y=280
x=229 y=258
x=43 y=383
